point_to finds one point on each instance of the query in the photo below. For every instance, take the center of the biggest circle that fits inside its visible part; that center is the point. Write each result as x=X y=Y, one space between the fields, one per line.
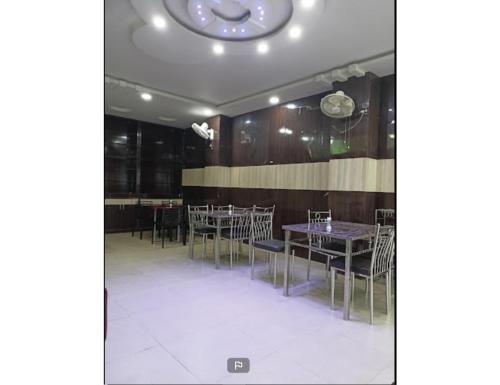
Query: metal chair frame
x=200 y=221
x=380 y=265
x=239 y=230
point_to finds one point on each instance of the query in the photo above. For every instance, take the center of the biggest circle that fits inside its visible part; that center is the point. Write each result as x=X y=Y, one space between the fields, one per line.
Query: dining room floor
x=176 y=320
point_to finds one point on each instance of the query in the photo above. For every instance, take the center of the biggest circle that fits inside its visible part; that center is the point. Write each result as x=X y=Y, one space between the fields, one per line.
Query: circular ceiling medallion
x=234 y=20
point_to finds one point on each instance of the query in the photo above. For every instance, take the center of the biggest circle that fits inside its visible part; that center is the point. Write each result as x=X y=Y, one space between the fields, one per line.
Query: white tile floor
x=176 y=320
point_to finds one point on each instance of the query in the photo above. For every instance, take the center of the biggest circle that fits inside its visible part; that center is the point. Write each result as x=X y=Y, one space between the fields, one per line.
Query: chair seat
x=359 y=265
x=205 y=230
x=274 y=245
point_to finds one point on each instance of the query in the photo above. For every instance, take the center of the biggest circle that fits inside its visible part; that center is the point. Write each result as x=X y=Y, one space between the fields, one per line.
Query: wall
x=144 y=159
x=316 y=165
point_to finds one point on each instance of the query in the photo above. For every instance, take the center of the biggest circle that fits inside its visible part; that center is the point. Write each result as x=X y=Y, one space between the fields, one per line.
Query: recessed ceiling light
x=207 y=112
x=234 y=30
x=291 y=106
x=218 y=49
x=199 y=12
x=261 y=18
x=146 y=96
x=198 y=6
x=295 y=32
x=166 y=119
x=159 y=22
x=307 y=3
x=203 y=19
x=262 y=48
x=248 y=121
x=119 y=109
x=274 y=100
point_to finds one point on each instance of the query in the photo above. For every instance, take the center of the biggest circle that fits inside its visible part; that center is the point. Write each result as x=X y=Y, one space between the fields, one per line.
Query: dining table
x=218 y=219
x=347 y=232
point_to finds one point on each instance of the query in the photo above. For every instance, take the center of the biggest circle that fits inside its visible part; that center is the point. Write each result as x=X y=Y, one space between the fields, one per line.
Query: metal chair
x=262 y=239
x=377 y=265
x=238 y=231
x=385 y=217
x=143 y=214
x=200 y=225
x=220 y=208
x=257 y=209
x=170 y=219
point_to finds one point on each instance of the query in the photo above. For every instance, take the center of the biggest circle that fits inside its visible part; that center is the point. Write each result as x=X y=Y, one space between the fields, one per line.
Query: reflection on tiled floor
x=176 y=320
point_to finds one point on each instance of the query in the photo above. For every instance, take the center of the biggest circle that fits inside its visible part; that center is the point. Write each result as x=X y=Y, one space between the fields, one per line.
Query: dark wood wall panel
x=387 y=138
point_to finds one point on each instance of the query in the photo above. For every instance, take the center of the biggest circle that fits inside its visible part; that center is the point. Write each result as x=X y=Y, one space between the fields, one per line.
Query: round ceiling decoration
x=233 y=20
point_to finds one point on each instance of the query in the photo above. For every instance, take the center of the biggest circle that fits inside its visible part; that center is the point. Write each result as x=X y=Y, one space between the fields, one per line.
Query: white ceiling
x=185 y=78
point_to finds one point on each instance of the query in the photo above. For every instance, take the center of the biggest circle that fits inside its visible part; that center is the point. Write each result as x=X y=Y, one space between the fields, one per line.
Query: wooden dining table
x=343 y=231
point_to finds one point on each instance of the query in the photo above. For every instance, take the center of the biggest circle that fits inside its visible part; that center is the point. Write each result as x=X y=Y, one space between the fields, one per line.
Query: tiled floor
x=176 y=320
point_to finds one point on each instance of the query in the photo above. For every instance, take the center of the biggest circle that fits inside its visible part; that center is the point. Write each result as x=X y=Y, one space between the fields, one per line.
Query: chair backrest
x=382 y=250
x=242 y=209
x=220 y=208
x=145 y=202
x=194 y=216
x=257 y=209
x=385 y=217
x=318 y=216
x=241 y=227
x=261 y=226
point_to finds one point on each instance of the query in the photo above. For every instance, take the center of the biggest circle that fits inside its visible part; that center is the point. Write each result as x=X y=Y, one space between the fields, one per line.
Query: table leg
x=347 y=278
x=153 y=238
x=217 y=245
x=287 y=262
x=191 y=241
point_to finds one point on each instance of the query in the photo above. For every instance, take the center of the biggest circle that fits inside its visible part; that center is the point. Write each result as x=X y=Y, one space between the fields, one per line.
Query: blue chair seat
x=359 y=264
x=273 y=245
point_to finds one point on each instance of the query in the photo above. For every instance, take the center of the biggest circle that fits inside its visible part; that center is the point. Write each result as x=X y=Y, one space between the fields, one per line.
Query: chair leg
x=353 y=280
x=178 y=233
x=366 y=290
x=333 y=275
x=275 y=268
x=387 y=293
x=269 y=262
x=252 y=262
x=309 y=264
x=162 y=237
x=371 y=300
x=292 y=265
x=327 y=268
x=204 y=240
x=231 y=254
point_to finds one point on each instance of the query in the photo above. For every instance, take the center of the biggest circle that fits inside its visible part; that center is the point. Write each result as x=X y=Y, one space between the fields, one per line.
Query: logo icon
x=238 y=365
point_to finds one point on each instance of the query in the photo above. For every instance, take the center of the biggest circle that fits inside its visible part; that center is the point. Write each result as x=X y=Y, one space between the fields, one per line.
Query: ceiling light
x=291 y=106
x=243 y=30
x=166 y=119
x=234 y=29
x=146 y=96
x=198 y=6
x=207 y=112
x=218 y=49
x=203 y=19
x=274 y=100
x=119 y=109
x=393 y=122
x=248 y=121
x=199 y=12
x=392 y=136
x=390 y=109
x=295 y=32
x=307 y=3
x=225 y=30
x=259 y=7
x=159 y=22
x=261 y=18
x=262 y=48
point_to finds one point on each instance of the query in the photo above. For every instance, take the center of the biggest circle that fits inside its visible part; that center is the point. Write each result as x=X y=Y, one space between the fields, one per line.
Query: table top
x=340 y=230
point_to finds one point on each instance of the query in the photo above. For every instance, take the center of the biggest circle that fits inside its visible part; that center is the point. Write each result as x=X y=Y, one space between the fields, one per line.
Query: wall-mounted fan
x=203 y=130
x=337 y=105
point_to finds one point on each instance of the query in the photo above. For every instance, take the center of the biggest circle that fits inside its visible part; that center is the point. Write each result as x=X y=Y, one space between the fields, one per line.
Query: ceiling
x=189 y=82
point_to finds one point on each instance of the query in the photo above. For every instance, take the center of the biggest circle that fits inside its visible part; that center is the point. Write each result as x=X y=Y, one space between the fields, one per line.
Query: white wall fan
x=203 y=130
x=337 y=105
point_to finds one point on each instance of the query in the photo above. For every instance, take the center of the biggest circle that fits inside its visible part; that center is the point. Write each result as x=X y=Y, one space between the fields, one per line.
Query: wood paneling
x=387 y=131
